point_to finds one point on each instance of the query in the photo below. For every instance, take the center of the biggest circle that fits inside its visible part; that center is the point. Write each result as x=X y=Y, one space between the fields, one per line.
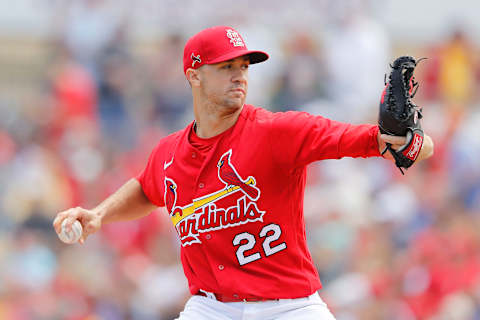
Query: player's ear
x=193 y=77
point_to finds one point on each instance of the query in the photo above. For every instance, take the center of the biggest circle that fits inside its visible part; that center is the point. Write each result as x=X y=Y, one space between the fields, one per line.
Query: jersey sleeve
x=152 y=176
x=299 y=138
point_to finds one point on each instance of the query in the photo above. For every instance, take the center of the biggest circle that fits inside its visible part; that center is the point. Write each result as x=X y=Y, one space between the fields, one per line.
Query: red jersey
x=236 y=200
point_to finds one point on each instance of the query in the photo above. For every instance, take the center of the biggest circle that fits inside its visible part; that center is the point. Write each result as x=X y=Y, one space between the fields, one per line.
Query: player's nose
x=240 y=75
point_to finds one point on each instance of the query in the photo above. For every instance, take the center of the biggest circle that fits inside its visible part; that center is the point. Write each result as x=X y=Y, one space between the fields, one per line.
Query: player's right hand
x=90 y=220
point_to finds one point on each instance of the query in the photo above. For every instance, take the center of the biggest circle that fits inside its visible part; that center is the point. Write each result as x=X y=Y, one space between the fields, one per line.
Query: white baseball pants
x=308 y=308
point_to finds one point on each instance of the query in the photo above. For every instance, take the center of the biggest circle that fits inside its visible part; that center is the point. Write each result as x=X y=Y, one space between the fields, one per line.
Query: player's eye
x=245 y=66
x=227 y=66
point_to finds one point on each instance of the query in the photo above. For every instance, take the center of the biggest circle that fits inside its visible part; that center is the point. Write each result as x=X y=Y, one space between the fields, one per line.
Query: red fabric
x=217 y=44
x=269 y=153
x=75 y=93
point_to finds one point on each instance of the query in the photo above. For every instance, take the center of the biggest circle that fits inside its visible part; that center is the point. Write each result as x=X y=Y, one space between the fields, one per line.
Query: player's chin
x=235 y=102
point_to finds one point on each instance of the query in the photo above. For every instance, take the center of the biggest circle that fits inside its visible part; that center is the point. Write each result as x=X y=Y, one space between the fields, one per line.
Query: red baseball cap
x=217 y=44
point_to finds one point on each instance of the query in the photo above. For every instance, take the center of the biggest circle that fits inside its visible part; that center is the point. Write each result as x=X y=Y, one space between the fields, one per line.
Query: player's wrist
x=427 y=148
x=99 y=213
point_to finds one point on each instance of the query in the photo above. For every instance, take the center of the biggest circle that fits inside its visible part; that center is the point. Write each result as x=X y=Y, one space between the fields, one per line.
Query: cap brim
x=255 y=56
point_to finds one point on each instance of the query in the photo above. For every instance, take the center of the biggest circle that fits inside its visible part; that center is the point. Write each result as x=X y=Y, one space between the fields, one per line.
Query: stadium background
x=87 y=87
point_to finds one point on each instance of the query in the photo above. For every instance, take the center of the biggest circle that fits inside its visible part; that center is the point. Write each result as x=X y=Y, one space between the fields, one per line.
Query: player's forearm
x=127 y=203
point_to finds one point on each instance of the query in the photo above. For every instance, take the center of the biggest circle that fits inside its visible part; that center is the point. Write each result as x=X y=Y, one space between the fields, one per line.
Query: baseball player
x=233 y=182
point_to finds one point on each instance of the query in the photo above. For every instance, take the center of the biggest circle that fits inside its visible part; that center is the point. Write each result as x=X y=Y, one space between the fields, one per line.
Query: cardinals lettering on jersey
x=203 y=215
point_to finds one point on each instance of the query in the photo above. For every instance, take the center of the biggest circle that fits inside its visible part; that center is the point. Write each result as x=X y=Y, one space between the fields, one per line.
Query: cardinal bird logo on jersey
x=228 y=175
x=203 y=214
x=170 y=194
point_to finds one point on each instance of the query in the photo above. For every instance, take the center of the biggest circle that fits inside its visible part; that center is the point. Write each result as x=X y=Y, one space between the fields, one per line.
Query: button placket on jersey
x=200 y=190
x=201 y=180
x=198 y=159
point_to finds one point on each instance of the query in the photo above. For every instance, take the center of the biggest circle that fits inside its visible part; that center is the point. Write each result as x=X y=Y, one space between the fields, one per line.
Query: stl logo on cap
x=195 y=59
x=235 y=38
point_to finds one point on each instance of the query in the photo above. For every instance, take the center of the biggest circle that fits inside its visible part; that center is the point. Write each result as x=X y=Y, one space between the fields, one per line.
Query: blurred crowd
x=387 y=246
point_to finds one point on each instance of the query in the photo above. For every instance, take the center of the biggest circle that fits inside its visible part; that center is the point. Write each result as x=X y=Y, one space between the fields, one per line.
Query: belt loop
x=209 y=294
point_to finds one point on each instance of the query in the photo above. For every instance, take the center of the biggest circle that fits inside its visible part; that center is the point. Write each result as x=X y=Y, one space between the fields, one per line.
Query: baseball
x=74 y=234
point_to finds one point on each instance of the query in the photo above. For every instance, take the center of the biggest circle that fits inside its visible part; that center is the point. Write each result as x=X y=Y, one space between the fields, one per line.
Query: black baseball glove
x=398 y=115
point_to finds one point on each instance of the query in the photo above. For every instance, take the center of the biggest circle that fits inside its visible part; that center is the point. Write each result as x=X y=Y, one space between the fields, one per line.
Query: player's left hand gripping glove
x=398 y=115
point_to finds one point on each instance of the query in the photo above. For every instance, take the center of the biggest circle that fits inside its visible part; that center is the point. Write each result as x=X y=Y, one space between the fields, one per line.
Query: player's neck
x=212 y=121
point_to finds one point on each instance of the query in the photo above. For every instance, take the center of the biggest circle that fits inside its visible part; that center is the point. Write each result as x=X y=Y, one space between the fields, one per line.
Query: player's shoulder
x=258 y=114
x=263 y=116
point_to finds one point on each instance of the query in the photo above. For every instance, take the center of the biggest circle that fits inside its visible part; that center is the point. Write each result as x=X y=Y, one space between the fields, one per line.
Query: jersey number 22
x=270 y=232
